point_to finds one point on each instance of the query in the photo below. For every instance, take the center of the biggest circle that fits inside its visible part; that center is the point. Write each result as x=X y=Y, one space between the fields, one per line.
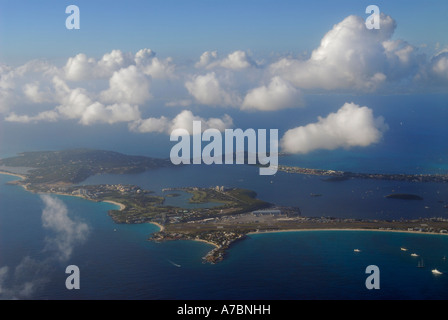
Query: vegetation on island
x=236 y=211
x=76 y=165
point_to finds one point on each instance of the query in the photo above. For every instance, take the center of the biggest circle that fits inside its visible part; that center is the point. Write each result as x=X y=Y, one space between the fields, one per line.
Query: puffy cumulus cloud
x=34 y=93
x=161 y=125
x=127 y=85
x=206 y=58
x=183 y=120
x=146 y=60
x=350 y=126
x=81 y=67
x=279 y=94
x=237 y=60
x=434 y=75
x=207 y=89
x=99 y=113
x=439 y=65
x=78 y=104
x=20 y=85
x=351 y=56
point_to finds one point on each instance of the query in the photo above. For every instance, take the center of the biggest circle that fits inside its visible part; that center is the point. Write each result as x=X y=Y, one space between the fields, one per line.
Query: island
x=404 y=196
x=229 y=216
x=336 y=176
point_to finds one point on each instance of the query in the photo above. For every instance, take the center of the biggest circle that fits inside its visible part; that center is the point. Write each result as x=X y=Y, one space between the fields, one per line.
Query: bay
x=116 y=261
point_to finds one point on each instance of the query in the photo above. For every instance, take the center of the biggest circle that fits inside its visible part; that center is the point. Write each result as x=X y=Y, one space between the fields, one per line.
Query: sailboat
x=421 y=264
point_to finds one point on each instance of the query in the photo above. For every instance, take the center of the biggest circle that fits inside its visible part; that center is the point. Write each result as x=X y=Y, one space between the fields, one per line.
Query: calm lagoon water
x=116 y=261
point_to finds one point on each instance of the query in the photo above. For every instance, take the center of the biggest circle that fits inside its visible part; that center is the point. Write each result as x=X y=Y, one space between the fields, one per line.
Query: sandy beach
x=159 y=225
x=122 y=206
x=13 y=174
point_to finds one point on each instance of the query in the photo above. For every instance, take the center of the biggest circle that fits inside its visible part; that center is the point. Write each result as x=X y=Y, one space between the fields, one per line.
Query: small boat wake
x=174 y=264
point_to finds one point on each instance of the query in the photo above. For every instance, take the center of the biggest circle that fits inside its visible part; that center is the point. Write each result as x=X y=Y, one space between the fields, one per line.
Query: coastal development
x=333 y=175
x=230 y=215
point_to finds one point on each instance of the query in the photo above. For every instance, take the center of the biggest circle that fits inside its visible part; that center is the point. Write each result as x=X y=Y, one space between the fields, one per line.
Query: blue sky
x=149 y=67
x=184 y=28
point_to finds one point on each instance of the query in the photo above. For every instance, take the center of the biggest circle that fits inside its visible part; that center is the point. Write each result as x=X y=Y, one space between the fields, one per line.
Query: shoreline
x=347 y=229
x=122 y=206
x=13 y=174
x=208 y=242
x=216 y=254
x=158 y=225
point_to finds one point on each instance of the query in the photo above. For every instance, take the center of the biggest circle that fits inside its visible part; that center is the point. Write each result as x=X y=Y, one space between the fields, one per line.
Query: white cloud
x=31 y=274
x=81 y=67
x=279 y=94
x=350 y=126
x=128 y=85
x=237 y=60
x=67 y=232
x=24 y=280
x=206 y=58
x=160 y=125
x=13 y=84
x=350 y=56
x=207 y=90
x=99 y=113
x=35 y=95
x=439 y=65
x=183 y=120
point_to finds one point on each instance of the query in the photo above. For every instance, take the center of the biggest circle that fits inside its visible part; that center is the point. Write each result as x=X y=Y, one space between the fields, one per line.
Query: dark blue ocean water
x=116 y=261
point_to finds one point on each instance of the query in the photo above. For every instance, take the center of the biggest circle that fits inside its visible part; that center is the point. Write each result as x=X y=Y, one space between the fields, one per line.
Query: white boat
x=403 y=249
x=435 y=271
x=357 y=250
x=414 y=255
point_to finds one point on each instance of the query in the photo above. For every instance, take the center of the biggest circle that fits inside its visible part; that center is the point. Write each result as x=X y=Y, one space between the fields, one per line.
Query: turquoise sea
x=116 y=261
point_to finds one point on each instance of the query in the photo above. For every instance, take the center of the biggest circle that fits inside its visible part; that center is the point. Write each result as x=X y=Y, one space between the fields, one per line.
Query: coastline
x=158 y=225
x=13 y=174
x=347 y=229
x=208 y=242
x=217 y=254
x=122 y=206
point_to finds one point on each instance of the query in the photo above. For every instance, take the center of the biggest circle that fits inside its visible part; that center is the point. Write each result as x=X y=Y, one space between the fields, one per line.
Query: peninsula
x=230 y=213
x=334 y=175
